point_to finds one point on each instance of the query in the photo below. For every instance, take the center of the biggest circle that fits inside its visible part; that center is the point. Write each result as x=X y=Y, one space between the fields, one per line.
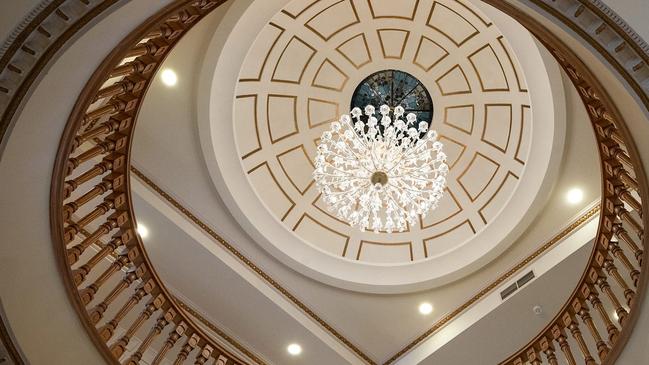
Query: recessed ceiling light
x=169 y=77
x=294 y=349
x=575 y=196
x=425 y=308
x=142 y=230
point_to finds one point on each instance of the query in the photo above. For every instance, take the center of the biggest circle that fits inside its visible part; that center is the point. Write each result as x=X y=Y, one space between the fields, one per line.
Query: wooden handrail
x=113 y=284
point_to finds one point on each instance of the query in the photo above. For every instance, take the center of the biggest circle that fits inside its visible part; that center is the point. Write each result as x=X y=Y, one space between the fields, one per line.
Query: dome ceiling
x=299 y=73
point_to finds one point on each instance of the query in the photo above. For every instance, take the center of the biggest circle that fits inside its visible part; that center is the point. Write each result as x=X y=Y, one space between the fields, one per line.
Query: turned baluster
x=115 y=220
x=168 y=30
x=589 y=292
x=628 y=218
x=116 y=123
x=186 y=16
x=610 y=268
x=612 y=149
x=112 y=181
x=153 y=47
x=120 y=239
x=112 y=201
x=204 y=355
x=189 y=346
x=122 y=103
x=623 y=235
x=619 y=189
x=142 y=65
x=560 y=336
x=113 y=142
x=170 y=342
x=603 y=285
x=118 y=348
x=548 y=349
x=571 y=323
x=160 y=325
x=129 y=84
x=534 y=357
x=615 y=249
x=114 y=161
x=144 y=289
x=581 y=308
x=133 y=274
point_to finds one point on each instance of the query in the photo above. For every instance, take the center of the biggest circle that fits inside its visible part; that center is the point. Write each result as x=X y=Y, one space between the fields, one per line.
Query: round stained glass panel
x=393 y=88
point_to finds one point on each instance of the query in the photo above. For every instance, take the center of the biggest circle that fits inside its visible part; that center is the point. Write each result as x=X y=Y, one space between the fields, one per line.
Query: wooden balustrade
x=125 y=299
x=125 y=306
x=613 y=276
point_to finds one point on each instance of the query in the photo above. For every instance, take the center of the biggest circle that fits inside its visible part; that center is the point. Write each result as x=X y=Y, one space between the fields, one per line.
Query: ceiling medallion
x=380 y=175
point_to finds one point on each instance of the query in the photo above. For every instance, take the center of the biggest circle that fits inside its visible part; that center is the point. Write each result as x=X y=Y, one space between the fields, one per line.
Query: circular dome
x=307 y=62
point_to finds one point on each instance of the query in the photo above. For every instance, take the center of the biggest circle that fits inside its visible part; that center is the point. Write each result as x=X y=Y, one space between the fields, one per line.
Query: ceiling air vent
x=517 y=285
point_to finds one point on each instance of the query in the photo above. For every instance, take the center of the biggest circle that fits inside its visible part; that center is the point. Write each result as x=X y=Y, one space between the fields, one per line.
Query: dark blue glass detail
x=394 y=87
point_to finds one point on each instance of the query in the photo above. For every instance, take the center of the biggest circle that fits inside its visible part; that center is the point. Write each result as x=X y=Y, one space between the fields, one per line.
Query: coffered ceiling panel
x=299 y=74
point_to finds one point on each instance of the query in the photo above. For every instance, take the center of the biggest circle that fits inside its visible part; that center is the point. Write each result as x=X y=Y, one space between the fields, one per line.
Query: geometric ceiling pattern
x=300 y=73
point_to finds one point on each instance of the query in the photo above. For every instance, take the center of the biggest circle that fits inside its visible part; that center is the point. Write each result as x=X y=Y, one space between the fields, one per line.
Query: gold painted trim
x=403 y=46
x=436 y=326
x=295 y=16
x=270 y=50
x=325 y=38
x=441 y=137
x=457 y=204
x=254 y=96
x=295 y=126
x=315 y=84
x=347 y=238
x=509 y=130
x=521 y=133
x=411 y=18
x=360 y=247
x=248 y=263
x=502 y=183
x=461 y=3
x=194 y=313
x=460 y=44
x=281 y=165
x=281 y=56
x=425 y=241
x=367 y=50
x=308 y=112
x=470 y=131
x=454 y=92
x=502 y=69
x=421 y=41
x=515 y=65
x=459 y=178
x=278 y=185
x=579 y=222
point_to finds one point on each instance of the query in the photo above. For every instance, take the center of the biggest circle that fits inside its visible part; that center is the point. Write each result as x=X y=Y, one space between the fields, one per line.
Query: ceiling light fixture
x=388 y=171
x=425 y=308
x=294 y=349
x=169 y=77
x=575 y=196
x=142 y=230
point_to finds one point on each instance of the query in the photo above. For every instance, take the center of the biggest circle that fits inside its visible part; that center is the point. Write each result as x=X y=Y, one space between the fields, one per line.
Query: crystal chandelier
x=380 y=175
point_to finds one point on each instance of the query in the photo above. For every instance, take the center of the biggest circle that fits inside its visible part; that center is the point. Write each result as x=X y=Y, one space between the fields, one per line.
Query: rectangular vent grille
x=517 y=285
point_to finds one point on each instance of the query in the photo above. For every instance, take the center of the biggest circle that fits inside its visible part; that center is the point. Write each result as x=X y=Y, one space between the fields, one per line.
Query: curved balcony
x=127 y=309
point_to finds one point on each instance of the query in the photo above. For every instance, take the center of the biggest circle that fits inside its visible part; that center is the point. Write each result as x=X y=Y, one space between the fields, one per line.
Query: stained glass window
x=393 y=87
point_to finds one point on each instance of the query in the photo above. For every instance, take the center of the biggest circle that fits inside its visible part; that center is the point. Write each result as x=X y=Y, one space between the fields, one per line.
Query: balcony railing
x=121 y=299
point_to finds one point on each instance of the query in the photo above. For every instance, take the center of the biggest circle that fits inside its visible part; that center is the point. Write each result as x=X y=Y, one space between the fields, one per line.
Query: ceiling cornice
x=573 y=226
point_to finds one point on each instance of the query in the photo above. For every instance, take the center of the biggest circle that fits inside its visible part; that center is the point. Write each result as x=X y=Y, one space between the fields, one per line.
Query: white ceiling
x=167 y=150
x=299 y=73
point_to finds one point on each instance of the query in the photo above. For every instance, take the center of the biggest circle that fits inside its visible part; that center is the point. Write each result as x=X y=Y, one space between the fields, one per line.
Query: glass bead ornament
x=379 y=172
